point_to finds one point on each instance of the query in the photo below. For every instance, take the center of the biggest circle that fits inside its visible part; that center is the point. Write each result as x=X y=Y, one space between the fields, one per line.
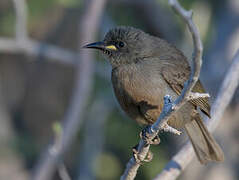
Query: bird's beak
x=101 y=46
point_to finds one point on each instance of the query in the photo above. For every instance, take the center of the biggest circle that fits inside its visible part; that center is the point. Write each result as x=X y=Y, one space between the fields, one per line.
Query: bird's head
x=123 y=45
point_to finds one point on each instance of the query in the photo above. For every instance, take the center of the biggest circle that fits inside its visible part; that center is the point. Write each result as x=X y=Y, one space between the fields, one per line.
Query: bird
x=145 y=68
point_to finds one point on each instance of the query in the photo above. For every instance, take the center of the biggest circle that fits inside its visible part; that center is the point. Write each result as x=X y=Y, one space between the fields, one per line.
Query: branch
x=35 y=48
x=21 y=19
x=63 y=172
x=23 y=44
x=182 y=159
x=229 y=85
x=170 y=107
x=73 y=117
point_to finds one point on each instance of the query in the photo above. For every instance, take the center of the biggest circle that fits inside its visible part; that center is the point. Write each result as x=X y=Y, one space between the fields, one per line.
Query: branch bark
x=169 y=106
x=73 y=117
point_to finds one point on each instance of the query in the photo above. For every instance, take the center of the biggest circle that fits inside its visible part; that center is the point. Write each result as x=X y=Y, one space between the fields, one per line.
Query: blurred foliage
x=71 y=3
x=7 y=24
x=126 y=18
x=107 y=166
x=57 y=129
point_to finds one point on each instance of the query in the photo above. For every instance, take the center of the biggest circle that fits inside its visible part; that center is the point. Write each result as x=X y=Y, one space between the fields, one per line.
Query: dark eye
x=121 y=44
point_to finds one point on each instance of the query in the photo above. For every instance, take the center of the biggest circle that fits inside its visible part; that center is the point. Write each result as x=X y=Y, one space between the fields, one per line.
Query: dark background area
x=35 y=91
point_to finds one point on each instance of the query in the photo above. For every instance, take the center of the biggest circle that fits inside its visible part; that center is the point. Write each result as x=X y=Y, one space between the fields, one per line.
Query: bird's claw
x=144 y=134
x=156 y=140
x=138 y=158
x=149 y=156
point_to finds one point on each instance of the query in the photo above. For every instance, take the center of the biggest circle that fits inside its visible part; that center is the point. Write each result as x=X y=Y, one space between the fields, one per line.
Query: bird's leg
x=136 y=154
x=149 y=156
x=144 y=134
x=138 y=158
x=167 y=128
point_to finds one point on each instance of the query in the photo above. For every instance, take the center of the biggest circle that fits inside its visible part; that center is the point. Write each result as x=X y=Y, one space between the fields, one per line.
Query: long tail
x=204 y=145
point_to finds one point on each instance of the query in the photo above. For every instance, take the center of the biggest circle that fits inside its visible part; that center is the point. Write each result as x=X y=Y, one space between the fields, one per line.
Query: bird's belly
x=141 y=97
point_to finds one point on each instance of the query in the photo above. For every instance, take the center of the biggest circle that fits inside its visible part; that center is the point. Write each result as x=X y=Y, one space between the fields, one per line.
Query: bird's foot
x=155 y=140
x=149 y=156
x=170 y=129
x=138 y=158
x=144 y=134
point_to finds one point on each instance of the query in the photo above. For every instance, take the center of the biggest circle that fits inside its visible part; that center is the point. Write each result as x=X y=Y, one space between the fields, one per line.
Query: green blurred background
x=35 y=91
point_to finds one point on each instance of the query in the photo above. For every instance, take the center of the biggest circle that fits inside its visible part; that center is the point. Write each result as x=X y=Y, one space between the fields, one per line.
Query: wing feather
x=176 y=75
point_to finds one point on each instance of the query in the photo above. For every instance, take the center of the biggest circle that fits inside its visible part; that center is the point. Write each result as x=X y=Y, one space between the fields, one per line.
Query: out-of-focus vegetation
x=35 y=92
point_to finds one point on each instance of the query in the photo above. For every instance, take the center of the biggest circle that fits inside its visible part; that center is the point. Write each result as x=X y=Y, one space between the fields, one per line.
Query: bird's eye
x=121 y=44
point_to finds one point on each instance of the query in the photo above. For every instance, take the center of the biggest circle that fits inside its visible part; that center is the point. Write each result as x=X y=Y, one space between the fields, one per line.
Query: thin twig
x=73 y=117
x=170 y=107
x=182 y=159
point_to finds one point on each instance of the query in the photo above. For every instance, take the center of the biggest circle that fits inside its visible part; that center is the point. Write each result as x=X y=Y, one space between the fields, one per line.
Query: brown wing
x=176 y=75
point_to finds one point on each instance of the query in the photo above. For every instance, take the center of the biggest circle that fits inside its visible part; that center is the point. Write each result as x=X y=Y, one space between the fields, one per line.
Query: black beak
x=96 y=45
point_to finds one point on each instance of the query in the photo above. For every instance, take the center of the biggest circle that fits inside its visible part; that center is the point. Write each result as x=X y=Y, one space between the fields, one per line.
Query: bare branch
x=73 y=117
x=30 y=47
x=169 y=107
x=35 y=48
x=21 y=19
x=182 y=159
x=63 y=172
x=198 y=48
x=23 y=44
x=225 y=94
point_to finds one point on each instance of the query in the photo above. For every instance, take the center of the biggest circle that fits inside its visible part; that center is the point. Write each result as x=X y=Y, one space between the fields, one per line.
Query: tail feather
x=205 y=147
